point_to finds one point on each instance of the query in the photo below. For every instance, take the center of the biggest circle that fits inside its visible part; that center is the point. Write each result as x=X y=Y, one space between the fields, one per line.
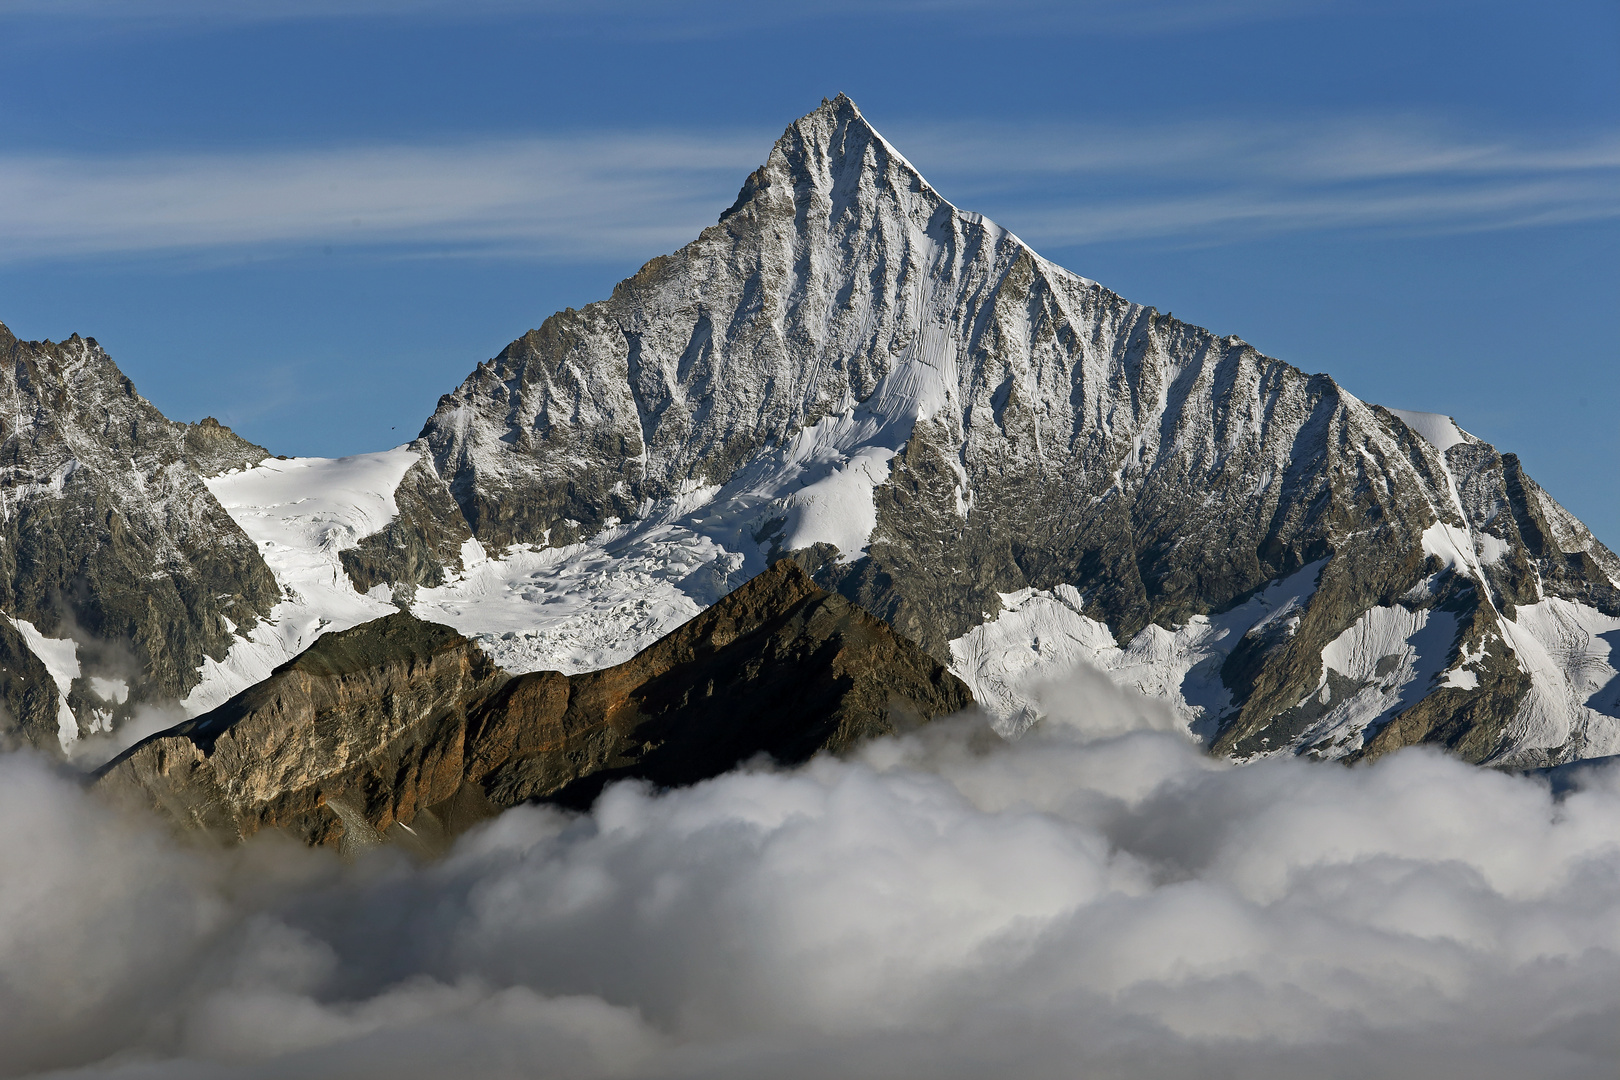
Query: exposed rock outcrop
x=31 y=711
x=405 y=729
x=779 y=667
x=108 y=534
x=419 y=545
x=372 y=718
x=212 y=448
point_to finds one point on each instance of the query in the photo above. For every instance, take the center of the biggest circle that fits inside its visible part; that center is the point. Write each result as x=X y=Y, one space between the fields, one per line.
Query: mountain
x=404 y=729
x=1018 y=469
x=1011 y=465
x=120 y=574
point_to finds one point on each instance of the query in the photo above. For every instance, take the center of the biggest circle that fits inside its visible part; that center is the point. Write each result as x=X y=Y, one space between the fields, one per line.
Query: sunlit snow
x=61 y=658
x=1041 y=635
x=301 y=512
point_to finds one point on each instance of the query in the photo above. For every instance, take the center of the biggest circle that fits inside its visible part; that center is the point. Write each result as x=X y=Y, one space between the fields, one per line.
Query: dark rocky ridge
x=779 y=667
x=372 y=717
x=1162 y=470
x=110 y=536
x=405 y=729
x=211 y=448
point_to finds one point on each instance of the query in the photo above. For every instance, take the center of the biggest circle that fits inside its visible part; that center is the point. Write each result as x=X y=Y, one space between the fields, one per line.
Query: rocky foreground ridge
x=404 y=729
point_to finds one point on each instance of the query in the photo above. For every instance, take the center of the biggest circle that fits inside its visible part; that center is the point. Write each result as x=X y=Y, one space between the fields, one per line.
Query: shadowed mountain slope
x=404 y=728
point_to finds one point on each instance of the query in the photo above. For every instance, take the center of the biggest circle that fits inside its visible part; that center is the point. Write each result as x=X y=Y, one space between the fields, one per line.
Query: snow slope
x=61 y=658
x=1568 y=650
x=1441 y=431
x=301 y=512
x=1040 y=635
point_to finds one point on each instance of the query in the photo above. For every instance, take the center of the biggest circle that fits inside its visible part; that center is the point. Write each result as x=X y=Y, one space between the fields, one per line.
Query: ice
x=1567 y=649
x=1442 y=432
x=61 y=658
x=1040 y=635
x=301 y=512
x=581 y=607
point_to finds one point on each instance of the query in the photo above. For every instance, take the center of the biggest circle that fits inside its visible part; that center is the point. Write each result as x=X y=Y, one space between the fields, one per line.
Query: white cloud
x=619 y=196
x=1098 y=899
x=576 y=197
x=1224 y=180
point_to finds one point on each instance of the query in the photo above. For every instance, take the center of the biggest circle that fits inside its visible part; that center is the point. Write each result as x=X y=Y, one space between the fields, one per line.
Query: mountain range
x=1012 y=467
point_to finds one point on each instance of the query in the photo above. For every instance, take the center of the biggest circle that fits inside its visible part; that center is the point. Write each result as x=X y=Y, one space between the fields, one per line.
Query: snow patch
x=61 y=658
x=1440 y=431
x=114 y=690
x=301 y=513
x=1391 y=656
x=1491 y=548
x=1040 y=635
x=1454 y=548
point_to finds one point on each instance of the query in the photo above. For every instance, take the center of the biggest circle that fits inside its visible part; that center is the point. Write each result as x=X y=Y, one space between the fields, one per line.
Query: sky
x=309 y=220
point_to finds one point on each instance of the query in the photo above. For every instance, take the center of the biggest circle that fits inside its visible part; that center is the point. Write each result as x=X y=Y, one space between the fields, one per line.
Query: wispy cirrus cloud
x=614 y=196
x=1224 y=181
x=586 y=197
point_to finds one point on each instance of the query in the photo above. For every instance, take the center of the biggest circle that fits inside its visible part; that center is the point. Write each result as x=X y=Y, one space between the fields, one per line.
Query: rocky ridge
x=119 y=571
x=403 y=729
x=933 y=419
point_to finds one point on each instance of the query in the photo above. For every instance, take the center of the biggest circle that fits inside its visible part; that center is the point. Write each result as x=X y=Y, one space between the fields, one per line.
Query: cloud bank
x=1098 y=899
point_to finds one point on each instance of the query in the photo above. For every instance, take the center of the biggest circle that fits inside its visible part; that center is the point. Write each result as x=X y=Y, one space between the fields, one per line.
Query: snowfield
x=301 y=512
x=1039 y=637
x=587 y=606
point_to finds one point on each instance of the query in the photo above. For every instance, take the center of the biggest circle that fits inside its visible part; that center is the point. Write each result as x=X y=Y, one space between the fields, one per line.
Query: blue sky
x=310 y=219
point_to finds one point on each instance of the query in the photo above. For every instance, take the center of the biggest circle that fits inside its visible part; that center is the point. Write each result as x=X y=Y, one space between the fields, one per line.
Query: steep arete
x=119 y=571
x=404 y=729
x=1011 y=463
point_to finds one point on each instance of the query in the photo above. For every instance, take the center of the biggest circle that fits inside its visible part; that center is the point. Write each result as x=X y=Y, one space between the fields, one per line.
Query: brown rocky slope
x=404 y=729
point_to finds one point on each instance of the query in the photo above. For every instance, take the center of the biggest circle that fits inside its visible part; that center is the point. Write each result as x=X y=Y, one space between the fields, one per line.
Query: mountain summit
x=1021 y=470
x=1014 y=467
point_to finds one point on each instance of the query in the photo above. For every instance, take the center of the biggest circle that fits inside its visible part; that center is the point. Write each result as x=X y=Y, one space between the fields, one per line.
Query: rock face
x=109 y=536
x=212 y=448
x=778 y=667
x=32 y=700
x=932 y=417
x=367 y=722
x=404 y=728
